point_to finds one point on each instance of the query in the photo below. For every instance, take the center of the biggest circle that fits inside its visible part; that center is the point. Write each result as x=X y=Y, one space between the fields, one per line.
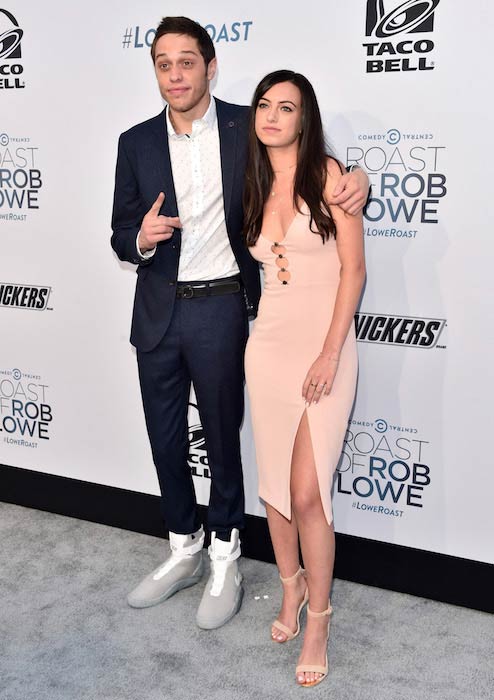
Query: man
x=178 y=215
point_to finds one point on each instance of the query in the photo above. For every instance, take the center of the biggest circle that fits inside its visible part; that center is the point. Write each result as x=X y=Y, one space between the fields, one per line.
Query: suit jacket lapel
x=227 y=128
x=228 y=139
x=163 y=167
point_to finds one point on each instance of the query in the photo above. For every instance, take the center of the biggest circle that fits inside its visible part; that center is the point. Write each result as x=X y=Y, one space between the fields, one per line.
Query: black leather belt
x=210 y=288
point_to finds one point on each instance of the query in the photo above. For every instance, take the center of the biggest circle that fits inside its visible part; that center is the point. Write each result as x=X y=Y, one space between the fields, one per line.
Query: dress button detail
x=281 y=262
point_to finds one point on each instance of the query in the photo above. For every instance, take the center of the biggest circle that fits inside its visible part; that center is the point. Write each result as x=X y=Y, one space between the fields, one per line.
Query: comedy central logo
x=24 y=296
x=10 y=50
x=391 y=51
x=407 y=331
x=198 y=456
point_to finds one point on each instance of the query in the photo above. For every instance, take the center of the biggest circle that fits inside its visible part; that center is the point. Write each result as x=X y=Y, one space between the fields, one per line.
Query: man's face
x=182 y=75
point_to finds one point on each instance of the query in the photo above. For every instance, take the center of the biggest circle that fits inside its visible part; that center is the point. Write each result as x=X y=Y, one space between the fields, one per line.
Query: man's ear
x=211 y=71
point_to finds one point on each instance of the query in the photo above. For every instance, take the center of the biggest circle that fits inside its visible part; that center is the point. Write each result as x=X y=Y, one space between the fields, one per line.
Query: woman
x=301 y=358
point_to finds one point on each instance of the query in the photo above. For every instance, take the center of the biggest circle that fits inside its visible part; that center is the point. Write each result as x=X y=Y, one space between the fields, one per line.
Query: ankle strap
x=328 y=611
x=288 y=579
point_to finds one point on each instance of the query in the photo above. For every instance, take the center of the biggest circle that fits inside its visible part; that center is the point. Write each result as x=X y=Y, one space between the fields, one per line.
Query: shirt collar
x=208 y=121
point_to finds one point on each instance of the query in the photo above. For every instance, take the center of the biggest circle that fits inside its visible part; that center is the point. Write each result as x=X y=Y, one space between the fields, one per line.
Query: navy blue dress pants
x=204 y=344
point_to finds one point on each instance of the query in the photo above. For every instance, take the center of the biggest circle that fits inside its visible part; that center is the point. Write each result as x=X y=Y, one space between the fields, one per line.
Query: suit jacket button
x=231 y=123
x=171 y=284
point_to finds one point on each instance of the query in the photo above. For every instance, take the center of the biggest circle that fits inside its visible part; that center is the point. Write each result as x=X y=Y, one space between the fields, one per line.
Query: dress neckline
x=269 y=240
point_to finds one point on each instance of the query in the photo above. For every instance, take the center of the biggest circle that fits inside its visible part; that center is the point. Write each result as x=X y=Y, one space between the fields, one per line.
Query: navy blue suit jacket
x=143 y=171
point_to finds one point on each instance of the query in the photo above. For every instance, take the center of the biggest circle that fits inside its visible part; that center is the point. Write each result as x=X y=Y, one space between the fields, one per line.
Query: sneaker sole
x=174 y=588
x=206 y=625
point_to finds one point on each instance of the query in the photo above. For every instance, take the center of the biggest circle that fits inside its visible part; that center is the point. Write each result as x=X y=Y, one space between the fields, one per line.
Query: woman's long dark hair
x=311 y=170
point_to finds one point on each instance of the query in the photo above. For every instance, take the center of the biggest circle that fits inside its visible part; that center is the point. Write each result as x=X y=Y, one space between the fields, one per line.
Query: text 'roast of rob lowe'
x=26 y=414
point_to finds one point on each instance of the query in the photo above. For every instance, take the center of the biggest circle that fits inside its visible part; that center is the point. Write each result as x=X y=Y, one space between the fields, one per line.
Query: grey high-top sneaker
x=183 y=568
x=222 y=597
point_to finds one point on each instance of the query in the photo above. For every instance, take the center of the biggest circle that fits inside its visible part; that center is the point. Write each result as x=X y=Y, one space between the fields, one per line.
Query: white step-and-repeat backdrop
x=403 y=87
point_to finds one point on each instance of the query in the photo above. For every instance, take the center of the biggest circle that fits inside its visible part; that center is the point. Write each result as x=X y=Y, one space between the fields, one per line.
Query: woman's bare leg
x=317 y=542
x=284 y=537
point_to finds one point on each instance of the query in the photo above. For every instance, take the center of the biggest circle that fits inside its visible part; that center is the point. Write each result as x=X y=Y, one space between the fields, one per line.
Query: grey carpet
x=68 y=634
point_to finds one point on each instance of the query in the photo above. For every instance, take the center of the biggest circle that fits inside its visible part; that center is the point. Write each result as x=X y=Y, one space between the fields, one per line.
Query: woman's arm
x=350 y=246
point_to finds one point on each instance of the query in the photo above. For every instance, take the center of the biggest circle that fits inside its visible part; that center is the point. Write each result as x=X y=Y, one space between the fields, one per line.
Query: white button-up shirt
x=196 y=166
x=205 y=253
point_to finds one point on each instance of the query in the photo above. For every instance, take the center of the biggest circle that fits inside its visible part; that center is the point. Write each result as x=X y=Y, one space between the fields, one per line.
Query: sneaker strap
x=219 y=550
x=214 y=555
x=179 y=552
x=180 y=547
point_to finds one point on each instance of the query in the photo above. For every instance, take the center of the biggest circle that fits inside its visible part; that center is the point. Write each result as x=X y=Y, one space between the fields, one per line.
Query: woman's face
x=278 y=120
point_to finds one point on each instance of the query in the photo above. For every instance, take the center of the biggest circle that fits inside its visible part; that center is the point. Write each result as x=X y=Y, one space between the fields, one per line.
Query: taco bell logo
x=391 y=50
x=10 y=50
x=410 y=16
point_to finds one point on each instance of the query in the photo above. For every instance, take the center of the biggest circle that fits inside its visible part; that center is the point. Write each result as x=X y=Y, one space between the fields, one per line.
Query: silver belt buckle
x=187 y=292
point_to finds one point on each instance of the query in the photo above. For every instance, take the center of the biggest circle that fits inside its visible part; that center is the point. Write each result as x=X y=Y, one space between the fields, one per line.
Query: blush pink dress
x=287 y=337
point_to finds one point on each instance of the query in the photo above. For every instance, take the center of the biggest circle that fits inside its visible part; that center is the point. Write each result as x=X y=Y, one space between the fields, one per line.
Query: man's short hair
x=184 y=25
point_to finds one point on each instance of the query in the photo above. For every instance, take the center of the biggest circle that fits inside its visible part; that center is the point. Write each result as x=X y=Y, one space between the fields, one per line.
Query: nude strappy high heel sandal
x=314 y=668
x=279 y=625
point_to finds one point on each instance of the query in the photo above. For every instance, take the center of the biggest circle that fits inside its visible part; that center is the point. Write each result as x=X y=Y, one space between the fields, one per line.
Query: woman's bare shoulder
x=334 y=168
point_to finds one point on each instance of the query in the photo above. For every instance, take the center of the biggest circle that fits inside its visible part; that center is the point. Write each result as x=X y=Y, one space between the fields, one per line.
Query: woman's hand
x=319 y=379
